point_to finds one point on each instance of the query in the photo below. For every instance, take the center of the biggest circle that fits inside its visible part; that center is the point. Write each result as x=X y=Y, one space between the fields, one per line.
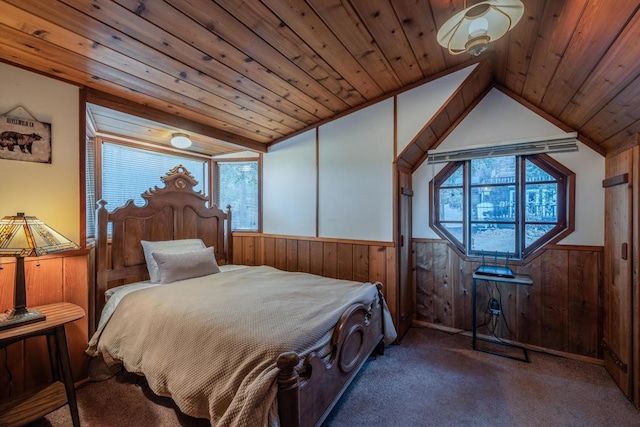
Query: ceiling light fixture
x=472 y=29
x=180 y=140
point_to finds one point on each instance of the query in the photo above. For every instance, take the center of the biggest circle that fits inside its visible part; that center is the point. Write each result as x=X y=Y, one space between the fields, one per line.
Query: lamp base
x=13 y=320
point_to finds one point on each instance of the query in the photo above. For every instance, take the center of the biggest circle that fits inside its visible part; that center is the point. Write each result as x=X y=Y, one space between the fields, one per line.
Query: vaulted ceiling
x=250 y=73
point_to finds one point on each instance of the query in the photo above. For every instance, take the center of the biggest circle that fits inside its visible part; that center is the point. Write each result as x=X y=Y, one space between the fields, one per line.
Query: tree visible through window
x=238 y=188
x=509 y=206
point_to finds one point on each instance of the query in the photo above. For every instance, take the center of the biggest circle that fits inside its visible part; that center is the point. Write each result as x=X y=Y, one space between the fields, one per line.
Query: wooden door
x=617 y=342
x=406 y=294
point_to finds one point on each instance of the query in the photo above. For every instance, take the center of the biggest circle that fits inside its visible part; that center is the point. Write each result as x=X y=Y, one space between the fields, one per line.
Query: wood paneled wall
x=562 y=311
x=341 y=259
x=57 y=278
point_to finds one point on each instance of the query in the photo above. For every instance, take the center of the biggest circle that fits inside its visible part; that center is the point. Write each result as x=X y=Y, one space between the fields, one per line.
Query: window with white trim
x=127 y=172
x=238 y=187
x=502 y=206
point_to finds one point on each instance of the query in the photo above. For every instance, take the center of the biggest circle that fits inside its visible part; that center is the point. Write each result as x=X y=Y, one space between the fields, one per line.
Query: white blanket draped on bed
x=211 y=343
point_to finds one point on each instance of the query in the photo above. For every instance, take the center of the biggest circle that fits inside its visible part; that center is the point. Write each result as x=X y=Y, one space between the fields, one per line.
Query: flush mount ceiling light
x=472 y=29
x=180 y=140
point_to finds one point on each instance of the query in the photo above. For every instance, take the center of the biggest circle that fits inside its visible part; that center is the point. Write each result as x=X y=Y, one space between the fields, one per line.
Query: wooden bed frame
x=306 y=395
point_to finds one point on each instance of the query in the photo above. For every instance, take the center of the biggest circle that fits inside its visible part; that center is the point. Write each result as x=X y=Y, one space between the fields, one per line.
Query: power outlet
x=494 y=307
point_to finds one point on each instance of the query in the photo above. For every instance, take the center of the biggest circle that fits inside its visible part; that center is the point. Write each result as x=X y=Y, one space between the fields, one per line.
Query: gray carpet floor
x=432 y=379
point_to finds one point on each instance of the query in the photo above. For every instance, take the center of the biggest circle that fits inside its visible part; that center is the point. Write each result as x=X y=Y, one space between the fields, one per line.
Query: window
x=127 y=172
x=506 y=206
x=238 y=188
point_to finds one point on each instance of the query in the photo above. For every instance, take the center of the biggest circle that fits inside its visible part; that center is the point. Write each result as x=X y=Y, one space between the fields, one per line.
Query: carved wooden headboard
x=170 y=213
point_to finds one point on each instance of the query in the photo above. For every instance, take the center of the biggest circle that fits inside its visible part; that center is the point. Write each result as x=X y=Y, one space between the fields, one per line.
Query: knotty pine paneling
x=561 y=311
x=340 y=259
x=50 y=279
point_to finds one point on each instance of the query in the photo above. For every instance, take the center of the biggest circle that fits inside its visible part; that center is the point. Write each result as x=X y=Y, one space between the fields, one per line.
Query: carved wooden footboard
x=306 y=395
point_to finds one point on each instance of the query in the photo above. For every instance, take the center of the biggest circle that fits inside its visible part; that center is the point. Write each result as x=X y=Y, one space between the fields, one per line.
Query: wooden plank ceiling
x=254 y=72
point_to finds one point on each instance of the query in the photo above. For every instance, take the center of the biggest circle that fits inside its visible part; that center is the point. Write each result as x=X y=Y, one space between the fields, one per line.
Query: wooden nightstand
x=33 y=404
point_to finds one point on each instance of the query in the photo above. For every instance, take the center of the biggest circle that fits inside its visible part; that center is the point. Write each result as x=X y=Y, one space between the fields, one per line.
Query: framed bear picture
x=24 y=138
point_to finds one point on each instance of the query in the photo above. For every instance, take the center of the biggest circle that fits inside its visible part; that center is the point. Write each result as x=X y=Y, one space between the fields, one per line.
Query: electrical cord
x=505 y=319
x=492 y=318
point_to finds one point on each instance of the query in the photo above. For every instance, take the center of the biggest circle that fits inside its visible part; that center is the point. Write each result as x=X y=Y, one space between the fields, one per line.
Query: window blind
x=127 y=172
x=90 y=186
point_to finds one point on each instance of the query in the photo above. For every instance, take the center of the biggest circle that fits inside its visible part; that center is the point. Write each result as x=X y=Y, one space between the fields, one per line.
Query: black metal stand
x=517 y=280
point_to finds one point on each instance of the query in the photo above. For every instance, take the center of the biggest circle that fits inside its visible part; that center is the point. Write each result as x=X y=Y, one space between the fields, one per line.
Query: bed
x=242 y=346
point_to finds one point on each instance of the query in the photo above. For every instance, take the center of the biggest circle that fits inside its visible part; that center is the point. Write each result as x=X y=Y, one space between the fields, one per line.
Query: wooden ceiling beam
x=137 y=86
x=450 y=114
x=125 y=106
x=64 y=73
x=452 y=127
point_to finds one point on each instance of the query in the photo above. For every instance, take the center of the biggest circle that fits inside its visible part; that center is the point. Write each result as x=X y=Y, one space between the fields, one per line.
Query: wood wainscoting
x=57 y=278
x=362 y=261
x=561 y=312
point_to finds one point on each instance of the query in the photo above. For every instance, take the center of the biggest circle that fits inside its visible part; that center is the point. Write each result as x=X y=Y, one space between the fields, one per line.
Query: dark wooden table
x=30 y=405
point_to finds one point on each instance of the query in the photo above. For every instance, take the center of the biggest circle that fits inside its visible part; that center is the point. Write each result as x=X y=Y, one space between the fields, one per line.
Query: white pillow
x=166 y=246
x=186 y=265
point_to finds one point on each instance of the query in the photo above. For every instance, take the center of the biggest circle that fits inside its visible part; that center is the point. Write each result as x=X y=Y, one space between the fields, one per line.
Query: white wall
x=354 y=179
x=48 y=191
x=356 y=175
x=289 y=187
x=417 y=106
x=355 y=168
x=498 y=118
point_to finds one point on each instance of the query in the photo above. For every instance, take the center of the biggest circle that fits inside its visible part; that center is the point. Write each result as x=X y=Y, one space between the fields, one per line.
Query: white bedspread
x=211 y=343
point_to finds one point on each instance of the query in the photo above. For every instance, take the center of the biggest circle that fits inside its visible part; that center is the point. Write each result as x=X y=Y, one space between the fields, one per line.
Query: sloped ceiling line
x=463 y=99
x=265 y=69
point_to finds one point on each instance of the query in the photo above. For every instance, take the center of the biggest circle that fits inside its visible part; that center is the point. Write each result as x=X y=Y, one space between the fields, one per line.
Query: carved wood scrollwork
x=352 y=348
x=349 y=337
x=180 y=183
x=178 y=178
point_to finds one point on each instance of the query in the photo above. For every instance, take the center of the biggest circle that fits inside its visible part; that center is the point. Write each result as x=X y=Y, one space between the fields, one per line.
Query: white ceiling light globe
x=478 y=27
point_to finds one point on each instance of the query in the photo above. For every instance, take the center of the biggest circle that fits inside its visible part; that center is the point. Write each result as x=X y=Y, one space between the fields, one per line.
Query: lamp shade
x=23 y=236
x=180 y=140
x=473 y=28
